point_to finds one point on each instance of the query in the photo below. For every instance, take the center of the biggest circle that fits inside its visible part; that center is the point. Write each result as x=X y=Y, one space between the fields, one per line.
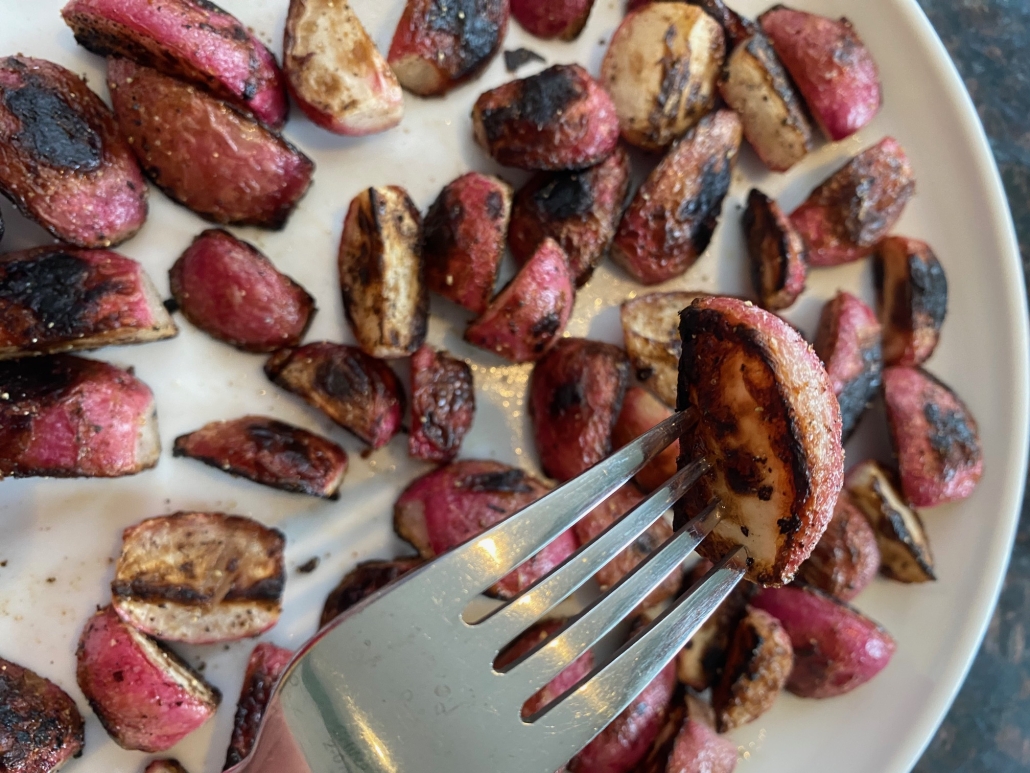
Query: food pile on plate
x=198 y=106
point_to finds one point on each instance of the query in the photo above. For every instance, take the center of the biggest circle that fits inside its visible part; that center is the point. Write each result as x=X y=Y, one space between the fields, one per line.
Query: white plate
x=59 y=537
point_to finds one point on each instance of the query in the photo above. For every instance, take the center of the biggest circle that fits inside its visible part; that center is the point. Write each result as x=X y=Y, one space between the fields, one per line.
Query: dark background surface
x=988 y=727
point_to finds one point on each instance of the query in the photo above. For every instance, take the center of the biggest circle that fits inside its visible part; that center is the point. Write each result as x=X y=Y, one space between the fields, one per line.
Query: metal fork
x=403 y=684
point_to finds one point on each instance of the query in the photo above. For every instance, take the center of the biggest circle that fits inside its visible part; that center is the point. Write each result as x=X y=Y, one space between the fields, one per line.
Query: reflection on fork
x=403 y=683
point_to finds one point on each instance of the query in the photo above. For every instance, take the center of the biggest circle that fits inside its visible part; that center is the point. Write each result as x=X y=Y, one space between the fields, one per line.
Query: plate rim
x=953 y=675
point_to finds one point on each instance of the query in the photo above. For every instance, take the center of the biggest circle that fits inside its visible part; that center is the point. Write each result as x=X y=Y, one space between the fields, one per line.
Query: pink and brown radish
x=193 y=40
x=558 y=119
x=672 y=217
x=769 y=424
x=843 y=219
x=200 y=578
x=438 y=46
x=935 y=438
x=358 y=392
x=61 y=299
x=836 y=648
x=661 y=69
x=67 y=417
x=443 y=403
x=381 y=275
x=579 y=210
x=145 y=696
x=63 y=161
x=776 y=253
x=224 y=165
x=833 y=69
x=848 y=343
x=232 y=292
x=463 y=239
x=575 y=395
x=269 y=452
x=266 y=664
x=527 y=317
x=847 y=557
x=912 y=298
x=335 y=72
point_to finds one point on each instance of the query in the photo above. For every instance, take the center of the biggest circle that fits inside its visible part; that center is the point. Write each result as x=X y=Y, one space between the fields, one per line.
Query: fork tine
x=497 y=551
x=510 y=620
x=542 y=665
x=606 y=693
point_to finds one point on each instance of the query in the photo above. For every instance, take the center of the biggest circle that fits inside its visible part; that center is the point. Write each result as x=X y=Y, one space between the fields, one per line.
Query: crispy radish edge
x=800 y=404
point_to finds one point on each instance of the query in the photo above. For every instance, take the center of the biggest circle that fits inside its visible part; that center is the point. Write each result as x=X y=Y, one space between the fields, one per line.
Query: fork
x=401 y=683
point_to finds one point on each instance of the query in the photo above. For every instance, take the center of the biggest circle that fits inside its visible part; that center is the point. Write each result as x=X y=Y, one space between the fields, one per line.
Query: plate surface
x=58 y=539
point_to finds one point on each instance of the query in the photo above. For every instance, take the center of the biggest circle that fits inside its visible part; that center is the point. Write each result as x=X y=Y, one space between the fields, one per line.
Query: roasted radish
x=143 y=694
x=836 y=648
x=625 y=742
x=848 y=343
x=904 y=546
x=651 y=331
x=61 y=299
x=657 y=757
x=935 y=437
x=221 y=164
x=361 y=582
x=641 y=411
x=358 y=392
x=547 y=19
x=844 y=218
x=912 y=296
x=335 y=72
x=560 y=118
x=439 y=45
x=831 y=66
x=452 y=504
x=200 y=578
x=770 y=426
x=62 y=160
x=670 y=221
x=528 y=316
x=67 y=417
x=776 y=253
x=757 y=667
x=269 y=452
x=568 y=678
x=265 y=666
x=575 y=395
x=578 y=209
x=190 y=39
x=607 y=513
x=463 y=239
x=699 y=749
x=661 y=69
x=847 y=557
x=40 y=725
x=755 y=84
x=232 y=292
x=442 y=405
x=380 y=266
x=700 y=663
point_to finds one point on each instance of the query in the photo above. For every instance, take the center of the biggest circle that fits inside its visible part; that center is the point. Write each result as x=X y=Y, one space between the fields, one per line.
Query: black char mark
x=951 y=438
x=44 y=378
x=343 y=378
x=859 y=392
x=567 y=195
x=703 y=209
x=503 y=482
x=474 y=26
x=53 y=288
x=929 y=288
x=52 y=130
x=542 y=100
